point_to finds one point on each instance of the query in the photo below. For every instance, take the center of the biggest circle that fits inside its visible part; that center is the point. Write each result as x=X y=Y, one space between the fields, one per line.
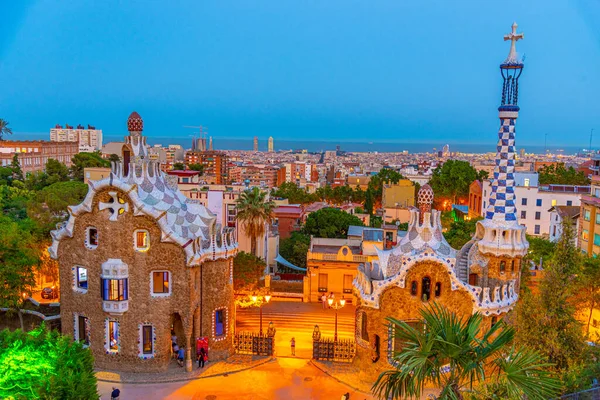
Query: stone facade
x=482 y=277
x=180 y=242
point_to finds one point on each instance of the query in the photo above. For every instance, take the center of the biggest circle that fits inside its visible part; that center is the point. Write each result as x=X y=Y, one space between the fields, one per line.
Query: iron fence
x=342 y=350
x=253 y=343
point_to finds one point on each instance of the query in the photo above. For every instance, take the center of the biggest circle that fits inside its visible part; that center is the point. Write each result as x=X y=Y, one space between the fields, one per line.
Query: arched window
x=494 y=321
x=502 y=266
x=438 y=289
x=426 y=288
x=414 y=288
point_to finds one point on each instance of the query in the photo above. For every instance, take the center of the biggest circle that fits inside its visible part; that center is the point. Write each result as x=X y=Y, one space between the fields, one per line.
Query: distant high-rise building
x=89 y=139
x=255 y=143
x=270 y=144
x=446 y=151
x=210 y=147
x=522 y=153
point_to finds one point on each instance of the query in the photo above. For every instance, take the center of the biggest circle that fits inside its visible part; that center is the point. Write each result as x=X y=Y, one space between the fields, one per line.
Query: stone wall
x=116 y=240
x=398 y=303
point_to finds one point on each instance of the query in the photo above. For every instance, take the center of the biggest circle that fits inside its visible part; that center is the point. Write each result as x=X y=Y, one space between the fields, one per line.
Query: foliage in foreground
x=44 y=365
x=247 y=270
x=464 y=361
x=330 y=223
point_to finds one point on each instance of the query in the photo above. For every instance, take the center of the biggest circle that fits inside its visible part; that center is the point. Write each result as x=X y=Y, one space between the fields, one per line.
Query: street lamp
x=266 y=298
x=336 y=306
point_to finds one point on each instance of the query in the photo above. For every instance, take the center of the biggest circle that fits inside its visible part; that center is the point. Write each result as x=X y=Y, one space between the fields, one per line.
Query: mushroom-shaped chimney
x=424 y=200
x=135 y=123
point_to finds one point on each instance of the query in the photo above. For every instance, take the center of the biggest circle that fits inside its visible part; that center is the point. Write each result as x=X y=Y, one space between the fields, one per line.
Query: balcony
x=336 y=257
x=115 y=307
x=565 y=189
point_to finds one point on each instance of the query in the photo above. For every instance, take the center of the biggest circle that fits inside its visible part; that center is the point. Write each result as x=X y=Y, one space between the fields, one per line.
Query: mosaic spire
x=502 y=198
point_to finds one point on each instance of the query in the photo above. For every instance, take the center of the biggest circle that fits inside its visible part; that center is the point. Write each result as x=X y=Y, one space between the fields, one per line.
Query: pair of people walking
x=325 y=300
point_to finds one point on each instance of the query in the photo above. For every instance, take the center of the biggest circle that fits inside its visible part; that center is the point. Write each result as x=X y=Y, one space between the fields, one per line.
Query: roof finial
x=513 y=37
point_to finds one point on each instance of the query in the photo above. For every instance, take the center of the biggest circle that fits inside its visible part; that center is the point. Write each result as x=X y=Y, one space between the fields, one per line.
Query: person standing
x=114 y=395
x=324 y=301
x=201 y=357
x=293 y=346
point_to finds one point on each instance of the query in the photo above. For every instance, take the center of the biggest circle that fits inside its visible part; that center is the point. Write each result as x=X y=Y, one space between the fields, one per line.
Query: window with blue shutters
x=538 y=202
x=114 y=289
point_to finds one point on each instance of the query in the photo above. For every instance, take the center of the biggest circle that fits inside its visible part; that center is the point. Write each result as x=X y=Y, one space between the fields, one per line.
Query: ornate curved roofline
x=220 y=243
x=500 y=301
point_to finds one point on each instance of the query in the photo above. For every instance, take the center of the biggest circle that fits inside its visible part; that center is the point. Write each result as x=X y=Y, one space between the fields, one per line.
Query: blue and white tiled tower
x=500 y=232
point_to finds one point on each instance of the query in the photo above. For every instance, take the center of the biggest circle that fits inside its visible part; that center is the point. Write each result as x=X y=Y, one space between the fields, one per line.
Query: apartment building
x=34 y=154
x=534 y=201
x=215 y=164
x=88 y=138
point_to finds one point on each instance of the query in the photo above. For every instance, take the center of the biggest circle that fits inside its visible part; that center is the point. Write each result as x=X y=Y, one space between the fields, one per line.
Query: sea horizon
x=246 y=144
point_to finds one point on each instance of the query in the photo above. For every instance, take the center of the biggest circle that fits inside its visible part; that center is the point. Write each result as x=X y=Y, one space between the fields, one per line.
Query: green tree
x=460 y=232
x=452 y=179
x=369 y=201
x=178 y=166
x=589 y=284
x=17 y=258
x=559 y=175
x=196 y=167
x=294 y=194
x=4 y=129
x=6 y=176
x=540 y=250
x=16 y=168
x=456 y=355
x=80 y=161
x=546 y=321
x=254 y=211
x=45 y=365
x=330 y=223
x=295 y=248
x=247 y=270
x=50 y=204
x=56 y=172
x=114 y=158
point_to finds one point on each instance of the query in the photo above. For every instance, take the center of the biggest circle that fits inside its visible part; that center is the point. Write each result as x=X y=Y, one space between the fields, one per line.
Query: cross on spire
x=513 y=37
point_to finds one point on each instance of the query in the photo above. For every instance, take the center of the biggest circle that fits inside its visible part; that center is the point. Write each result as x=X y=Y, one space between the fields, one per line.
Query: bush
x=44 y=364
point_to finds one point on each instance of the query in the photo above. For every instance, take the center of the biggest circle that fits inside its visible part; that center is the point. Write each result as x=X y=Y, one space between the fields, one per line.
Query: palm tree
x=254 y=211
x=452 y=354
x=4 y=129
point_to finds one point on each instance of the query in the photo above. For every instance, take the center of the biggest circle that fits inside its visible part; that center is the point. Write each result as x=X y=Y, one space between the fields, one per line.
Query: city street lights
x=266 y=298
x=336 y=306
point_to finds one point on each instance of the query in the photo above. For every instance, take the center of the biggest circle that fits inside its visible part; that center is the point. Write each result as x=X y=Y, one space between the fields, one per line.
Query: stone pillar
x=306 y=289
x=196 y=327
x=188 y=354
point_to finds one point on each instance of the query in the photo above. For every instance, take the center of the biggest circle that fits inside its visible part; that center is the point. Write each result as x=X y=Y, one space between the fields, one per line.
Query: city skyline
x=331 y=81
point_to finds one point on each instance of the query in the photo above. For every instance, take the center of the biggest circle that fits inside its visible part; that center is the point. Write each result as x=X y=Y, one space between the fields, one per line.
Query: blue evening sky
x=342 y=70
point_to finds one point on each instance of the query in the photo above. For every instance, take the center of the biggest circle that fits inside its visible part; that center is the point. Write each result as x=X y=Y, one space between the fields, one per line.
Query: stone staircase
x=462 y=261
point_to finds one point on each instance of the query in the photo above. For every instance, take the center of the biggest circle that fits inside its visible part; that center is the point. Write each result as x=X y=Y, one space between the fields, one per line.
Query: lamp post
x=266 y=298
x=336 y=306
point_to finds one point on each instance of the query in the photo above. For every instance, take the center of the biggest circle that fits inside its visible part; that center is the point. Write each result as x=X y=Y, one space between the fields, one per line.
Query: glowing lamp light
x=254 y=298
x=343 y=302
x=330 y=301
x=267 y=298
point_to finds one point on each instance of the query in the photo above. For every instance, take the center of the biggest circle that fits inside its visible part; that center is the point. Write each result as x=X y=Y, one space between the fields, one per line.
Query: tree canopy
x=464 y=360
x=254 y=210
x=247 y=270
x=294 y=194
x=460 y=232
x=330 y=223
x=452 y=179
x=179 y=166
x=45 y=365
x=559 y=175
x=80 y=161
x=196 y=167
x=295 y=248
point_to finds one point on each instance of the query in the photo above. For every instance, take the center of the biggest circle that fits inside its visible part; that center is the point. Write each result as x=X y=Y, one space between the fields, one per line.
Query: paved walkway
x=283 y=378
x=175 y=373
